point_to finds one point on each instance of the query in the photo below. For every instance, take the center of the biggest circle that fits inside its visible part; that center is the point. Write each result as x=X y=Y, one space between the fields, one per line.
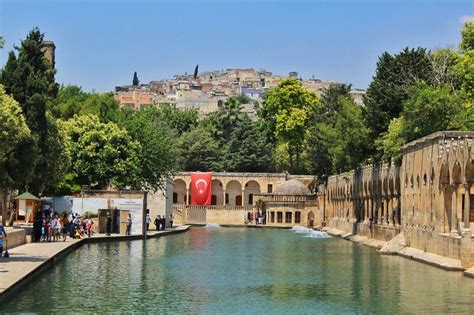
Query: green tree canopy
x=467 y=37
x=29 y=78
x=287 y=109
x=102 y=153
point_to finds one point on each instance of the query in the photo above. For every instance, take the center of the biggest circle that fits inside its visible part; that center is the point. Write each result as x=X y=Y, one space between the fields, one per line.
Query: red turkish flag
x=201 y=189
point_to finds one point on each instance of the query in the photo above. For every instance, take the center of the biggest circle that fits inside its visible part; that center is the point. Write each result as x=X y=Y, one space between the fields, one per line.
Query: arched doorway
x=251 y=188
x=234 y=190
x=217 y=192
x=179 y=191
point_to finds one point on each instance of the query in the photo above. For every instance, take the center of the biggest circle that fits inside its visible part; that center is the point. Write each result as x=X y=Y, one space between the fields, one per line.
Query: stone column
x=223 y=197
x=243 y=197
x=187 y=196
x=467 y=206
x=389 y=210
x=454 y=209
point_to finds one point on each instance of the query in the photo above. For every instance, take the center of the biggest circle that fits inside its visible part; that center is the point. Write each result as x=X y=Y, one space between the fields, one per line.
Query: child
x=3 y=239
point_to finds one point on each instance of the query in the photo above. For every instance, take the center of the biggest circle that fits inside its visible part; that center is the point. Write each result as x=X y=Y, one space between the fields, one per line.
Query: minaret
x=49 y=50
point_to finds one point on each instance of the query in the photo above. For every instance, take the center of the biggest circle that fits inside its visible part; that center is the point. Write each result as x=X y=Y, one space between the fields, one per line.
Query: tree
x=443 y=63
x=135 y=80
x=467 y=37
x=196 y=69
x=13 y=131
x=29 y=78
x=248 y=150
x=287 y=109
x=390 y=86
x=158 y=149
x=200 y=151
x=102 y=153
x=176 y=119
x=429 y=109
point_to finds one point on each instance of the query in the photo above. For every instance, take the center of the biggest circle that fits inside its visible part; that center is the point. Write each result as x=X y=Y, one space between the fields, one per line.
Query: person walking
x=171 y=221
x=129 y=224
x=89 y=227
x=157 y=222
x=163 y=222
x=108 y=225
x=148 y=220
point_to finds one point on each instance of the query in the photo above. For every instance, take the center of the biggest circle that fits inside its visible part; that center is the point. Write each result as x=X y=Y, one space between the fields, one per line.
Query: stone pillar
x=366 y=210
x=243 y=197
x=397 y=210
x=187 y=196
x=454 y=209
x=467 y=206
x=389 y=219
x=223 y=197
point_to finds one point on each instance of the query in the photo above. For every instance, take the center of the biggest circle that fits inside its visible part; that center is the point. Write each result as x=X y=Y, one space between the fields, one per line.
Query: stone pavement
x=29 y=260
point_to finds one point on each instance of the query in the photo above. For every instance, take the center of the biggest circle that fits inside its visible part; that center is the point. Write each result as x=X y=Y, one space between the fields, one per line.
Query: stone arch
x=457 y=173
x=251 y=188
x=234 y=191
x=217 y=192
x=469 y=171
x=391 y=186
x=179 y=191
x=444 y=178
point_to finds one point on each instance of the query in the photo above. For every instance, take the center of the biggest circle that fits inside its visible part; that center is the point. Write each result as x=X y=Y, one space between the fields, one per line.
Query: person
x=129 y=224
x=37 y=225
x=108 y=225
x=89 y=227
x=163 y=222
x=171 y=221
x=157 y=222
x=3 y=239
x=148 y=220
x=54 y=230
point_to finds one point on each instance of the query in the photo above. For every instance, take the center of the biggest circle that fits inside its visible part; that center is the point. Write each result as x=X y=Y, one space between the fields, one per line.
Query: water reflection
x=242 y=271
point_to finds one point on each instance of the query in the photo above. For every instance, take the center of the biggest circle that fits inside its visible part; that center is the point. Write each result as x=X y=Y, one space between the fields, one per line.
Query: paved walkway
x=29 y=260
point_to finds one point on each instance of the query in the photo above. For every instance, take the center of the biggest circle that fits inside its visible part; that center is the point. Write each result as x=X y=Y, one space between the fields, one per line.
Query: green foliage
x=157 y=152
x=443 y=63
x=248 y=150
x=29 y=78
x=467 y=35
x=102 y=154
x=287 y=109
x=200 y=151
x=429 y=109
x=465 y=72
x=179 y=120
x=72 y=101
x=13 y=128
x=391 y=84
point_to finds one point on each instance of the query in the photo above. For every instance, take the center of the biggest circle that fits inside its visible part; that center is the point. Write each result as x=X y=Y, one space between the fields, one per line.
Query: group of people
x=160 y=222
x=52 y=227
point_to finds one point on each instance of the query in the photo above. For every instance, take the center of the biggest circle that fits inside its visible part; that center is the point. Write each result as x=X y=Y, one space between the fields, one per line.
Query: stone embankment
x=29 y=260
x=398 y=246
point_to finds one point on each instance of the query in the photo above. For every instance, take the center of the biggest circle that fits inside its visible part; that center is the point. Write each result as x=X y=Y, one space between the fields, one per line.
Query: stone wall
x=428 y=198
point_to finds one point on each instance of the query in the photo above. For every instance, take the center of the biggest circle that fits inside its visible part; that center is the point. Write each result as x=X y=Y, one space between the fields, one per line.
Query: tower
x=49 y=51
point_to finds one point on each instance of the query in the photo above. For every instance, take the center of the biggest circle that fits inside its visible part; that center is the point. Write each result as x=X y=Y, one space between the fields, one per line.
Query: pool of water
x=238 y=270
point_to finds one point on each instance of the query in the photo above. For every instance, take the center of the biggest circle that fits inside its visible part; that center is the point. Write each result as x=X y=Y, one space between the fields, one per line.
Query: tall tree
x=248 y=150
x=135 y=80
x=467 y=37
x=102 y=154
x=196 y=70
x=287 y=109
x=13 y=131
x=29 y=78
x=390 y=86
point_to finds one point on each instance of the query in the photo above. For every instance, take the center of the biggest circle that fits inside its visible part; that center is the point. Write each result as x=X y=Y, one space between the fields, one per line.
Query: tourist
x=37 y=228
x=148 y=220
x=54 y=232
x=3 y=238
x=108 y=225
x=129 y=225
x=157 y=222
x=163 y=222
x=89 y=227
x=171 y=221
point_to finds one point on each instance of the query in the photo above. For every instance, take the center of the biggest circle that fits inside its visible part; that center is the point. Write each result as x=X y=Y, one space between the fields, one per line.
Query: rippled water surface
x=236 y=270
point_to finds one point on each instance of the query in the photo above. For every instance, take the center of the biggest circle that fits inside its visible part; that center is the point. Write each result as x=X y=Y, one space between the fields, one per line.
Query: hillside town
x=206 y=90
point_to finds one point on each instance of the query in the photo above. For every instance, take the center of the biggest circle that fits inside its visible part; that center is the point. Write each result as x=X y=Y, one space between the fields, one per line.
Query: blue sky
x=101 y=43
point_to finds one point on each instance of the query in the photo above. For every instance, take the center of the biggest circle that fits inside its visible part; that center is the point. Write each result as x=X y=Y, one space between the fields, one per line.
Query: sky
x=100 y=43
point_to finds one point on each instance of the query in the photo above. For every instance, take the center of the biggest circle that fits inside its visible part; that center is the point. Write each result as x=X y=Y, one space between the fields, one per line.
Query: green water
x=234 y=270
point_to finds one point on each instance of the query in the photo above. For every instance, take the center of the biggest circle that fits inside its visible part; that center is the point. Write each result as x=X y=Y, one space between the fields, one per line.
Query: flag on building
x=201 y=191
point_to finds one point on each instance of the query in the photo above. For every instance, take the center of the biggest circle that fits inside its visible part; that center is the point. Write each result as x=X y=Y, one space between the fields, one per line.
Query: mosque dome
x=292 y=187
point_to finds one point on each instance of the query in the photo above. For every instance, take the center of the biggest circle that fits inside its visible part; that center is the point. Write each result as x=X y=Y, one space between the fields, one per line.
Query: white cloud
x=466 y=18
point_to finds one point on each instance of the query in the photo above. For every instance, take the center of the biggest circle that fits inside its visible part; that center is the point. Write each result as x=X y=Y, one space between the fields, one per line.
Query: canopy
x=26 y=196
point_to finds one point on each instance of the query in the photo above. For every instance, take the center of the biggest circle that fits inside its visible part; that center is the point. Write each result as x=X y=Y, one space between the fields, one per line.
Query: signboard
x=135 y=206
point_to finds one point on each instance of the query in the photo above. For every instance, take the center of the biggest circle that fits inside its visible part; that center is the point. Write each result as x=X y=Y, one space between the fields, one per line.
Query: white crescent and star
x=201 y=181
